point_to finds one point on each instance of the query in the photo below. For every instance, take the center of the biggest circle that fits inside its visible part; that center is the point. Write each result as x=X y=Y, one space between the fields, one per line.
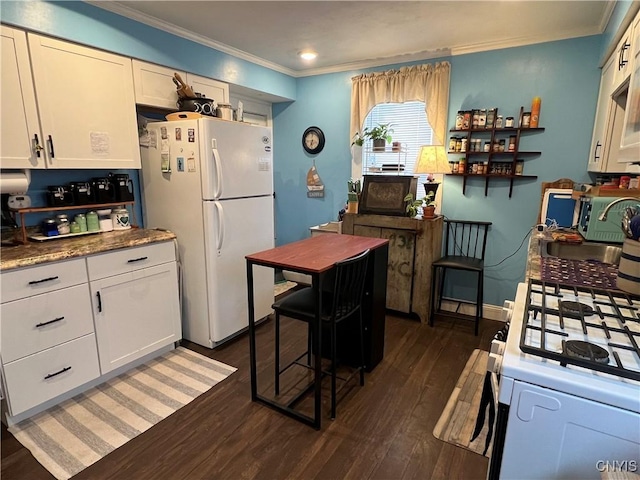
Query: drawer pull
x=133 y=260
x=99 y=301
x=65 y=369
x=49 y=279
x=49 y=322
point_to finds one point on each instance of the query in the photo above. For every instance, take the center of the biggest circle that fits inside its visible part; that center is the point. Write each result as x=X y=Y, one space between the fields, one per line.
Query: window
x=410 y=127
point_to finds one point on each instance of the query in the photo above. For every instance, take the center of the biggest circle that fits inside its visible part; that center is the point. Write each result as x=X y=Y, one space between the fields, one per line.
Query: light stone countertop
x=35 y=253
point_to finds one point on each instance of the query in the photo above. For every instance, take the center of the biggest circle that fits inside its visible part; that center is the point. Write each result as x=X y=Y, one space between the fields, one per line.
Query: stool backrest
x=349 y=285
x=466 y=238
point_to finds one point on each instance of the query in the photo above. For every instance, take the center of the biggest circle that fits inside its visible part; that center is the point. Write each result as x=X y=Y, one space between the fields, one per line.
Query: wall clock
x=313 y=140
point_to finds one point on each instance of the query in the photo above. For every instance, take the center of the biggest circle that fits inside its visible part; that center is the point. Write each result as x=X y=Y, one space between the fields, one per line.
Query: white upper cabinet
x=154 y=85
x=155 y=88
x=622 y=59
x=20 y=129
x=86 y=104
x=630 y=143
x=211 y=89
x=600 y=145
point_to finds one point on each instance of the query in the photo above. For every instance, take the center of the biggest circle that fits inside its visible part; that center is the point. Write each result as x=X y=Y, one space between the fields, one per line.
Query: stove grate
x=612 y=300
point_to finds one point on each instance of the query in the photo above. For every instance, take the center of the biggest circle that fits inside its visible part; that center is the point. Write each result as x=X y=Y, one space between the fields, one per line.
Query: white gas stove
x=569 y=384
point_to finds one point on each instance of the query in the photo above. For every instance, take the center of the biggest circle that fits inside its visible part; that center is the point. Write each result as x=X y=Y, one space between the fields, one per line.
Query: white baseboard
x=491 y=312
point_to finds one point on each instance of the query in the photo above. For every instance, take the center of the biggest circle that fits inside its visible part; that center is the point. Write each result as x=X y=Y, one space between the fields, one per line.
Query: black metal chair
x=340 y=303
x=464 y=246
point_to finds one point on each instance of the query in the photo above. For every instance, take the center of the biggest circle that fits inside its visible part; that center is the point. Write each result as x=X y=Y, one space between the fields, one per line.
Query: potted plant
x=380 y=135
x=427 y=203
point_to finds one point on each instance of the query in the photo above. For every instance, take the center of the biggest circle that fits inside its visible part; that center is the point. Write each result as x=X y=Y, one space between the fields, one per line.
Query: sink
x=585 y=251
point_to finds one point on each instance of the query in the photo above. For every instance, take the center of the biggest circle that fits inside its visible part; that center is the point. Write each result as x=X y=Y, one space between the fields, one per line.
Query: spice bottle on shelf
x=508 y=122
x=463 y=144
x=535 y=112
x=526 y=120
x=482 y=118
x=499 y=121
x=512 y=143
x=466 y=121
x=462 y=165
x=491 y=117
x=459 y=119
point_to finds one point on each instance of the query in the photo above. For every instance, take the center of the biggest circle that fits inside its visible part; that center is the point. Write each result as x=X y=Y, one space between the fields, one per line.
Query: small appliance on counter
x=122 y=186
x=102 y=191
x=596 y=230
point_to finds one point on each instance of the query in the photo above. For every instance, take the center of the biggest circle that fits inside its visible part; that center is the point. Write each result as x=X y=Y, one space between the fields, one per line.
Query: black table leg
x=252 y=332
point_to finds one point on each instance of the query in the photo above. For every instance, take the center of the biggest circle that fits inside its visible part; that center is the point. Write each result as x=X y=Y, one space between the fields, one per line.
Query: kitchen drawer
x=25 y=282
x=67 y=366
x=43 y=321
x=130 y=259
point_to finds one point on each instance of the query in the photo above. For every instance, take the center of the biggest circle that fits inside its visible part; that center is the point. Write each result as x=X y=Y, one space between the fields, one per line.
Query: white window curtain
x=428 y=83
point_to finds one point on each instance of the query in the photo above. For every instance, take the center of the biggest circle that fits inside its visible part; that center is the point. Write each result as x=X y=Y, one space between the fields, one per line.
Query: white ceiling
x=358 y=34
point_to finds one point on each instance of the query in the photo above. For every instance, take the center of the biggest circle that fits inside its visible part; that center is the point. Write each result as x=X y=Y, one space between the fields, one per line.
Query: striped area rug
x=458 y=419
x=69 y=437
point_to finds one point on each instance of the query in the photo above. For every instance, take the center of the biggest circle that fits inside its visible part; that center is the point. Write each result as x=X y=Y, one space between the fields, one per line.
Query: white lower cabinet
x=135 y=313
x=65 y=324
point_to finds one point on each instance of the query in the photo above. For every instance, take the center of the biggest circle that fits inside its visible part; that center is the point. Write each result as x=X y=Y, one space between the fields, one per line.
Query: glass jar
x=482 y=118
x=501 y=145
x=62 y=224
x=512 y=143
x=75 y=228
x=104 y=220
x=120 y=219
x=459 y=119
x=463 y=144
x=466 y=122
x=508 y=122
x=475 y=119
x=93 y=223
x=81 y=220
x=491 y=116
x=499 y=121
x=526 y=119
x=462 y=166
x=49 y=227
x=452 y=144
x=487 y=146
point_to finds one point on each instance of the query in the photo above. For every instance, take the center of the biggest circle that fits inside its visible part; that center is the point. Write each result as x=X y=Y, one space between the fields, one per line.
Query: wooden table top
x=315 y=254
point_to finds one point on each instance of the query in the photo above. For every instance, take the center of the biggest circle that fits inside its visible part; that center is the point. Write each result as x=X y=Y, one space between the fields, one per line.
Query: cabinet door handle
x=49 y=279
x=595 y=151
x=65 y=369
x=51 y=151
x=133 y=260
x=99 y=301
x=49 y=322
x=36 y=145
x=621 y=60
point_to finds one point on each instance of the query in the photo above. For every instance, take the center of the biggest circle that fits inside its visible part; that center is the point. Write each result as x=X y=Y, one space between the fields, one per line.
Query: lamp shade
x=432 y=159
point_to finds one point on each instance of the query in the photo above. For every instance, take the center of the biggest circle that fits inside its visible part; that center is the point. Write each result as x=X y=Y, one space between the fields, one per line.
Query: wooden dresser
x=413 y=246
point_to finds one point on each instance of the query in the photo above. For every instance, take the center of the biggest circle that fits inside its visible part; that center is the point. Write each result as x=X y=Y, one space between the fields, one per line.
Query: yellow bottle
x=535 y=112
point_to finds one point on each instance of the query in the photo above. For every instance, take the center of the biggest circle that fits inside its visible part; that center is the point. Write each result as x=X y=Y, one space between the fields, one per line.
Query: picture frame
x=384 y=194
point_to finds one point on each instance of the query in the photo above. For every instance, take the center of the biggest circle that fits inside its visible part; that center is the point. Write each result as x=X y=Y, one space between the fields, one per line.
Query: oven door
x=552 y=435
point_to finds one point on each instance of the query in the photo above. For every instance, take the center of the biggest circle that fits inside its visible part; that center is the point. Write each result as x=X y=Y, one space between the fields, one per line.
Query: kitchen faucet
x=603 y=216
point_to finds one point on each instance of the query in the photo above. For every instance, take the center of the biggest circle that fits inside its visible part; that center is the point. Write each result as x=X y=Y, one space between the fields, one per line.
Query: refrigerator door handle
x=220 y=227
x=218 y=167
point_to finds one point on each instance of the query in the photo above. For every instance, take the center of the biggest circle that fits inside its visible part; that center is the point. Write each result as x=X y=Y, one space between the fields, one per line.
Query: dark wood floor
x=382 y=431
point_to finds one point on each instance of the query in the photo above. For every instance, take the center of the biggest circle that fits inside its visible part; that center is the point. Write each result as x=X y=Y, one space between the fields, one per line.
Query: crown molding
x=358 y=65
x=377 y=62
x=181 y=32
x=523 y=41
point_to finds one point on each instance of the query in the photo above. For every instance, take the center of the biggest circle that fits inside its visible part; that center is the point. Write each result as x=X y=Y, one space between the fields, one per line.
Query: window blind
x=410 y=127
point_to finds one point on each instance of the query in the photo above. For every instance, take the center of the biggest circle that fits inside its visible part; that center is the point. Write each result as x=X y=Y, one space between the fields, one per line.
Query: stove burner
x=573 y=309
x=586 y=351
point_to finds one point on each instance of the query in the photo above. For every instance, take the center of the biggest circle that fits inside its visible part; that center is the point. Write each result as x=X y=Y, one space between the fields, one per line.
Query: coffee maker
x=102 y=191
x=122 y=186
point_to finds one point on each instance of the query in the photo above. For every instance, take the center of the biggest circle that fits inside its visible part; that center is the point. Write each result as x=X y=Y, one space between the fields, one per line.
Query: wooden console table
x=414 y=244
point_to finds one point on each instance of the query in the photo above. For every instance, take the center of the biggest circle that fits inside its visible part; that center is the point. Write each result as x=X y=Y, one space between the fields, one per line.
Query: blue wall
x=564 y=73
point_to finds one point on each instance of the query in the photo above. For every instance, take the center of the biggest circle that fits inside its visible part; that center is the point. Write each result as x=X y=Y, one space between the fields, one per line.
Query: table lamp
x=432 y=159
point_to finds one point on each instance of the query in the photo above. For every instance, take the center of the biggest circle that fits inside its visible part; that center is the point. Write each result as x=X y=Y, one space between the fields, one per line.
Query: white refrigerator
x=210 y=181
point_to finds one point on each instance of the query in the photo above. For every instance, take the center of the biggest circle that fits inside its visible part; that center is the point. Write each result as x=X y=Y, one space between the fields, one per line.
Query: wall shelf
x=503 y=157
x=90 y=206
